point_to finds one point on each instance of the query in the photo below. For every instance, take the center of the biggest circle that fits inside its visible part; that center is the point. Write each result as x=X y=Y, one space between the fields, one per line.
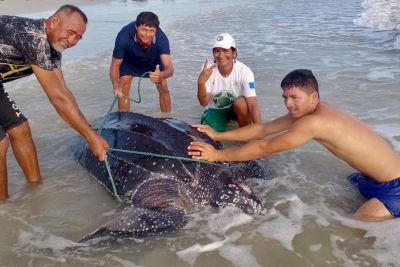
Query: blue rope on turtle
x=134 y=151
x=110 y=177
x=116 y=98
x=146 y=154
x=164 y=156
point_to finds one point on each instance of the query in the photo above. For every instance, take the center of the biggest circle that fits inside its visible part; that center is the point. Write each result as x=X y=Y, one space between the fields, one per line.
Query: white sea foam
x=190 y=254
x=239 y=256
x=315 y=247
x=396 y=44
x=308 y=201
x=380 y=15
x=379 y=75
x=293 y=220
x=122 y=262
x=390 y=133
x=386 y=235
x=228 y=218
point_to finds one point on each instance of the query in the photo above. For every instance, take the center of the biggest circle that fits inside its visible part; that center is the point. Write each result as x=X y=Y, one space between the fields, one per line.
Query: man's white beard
x=58 y=47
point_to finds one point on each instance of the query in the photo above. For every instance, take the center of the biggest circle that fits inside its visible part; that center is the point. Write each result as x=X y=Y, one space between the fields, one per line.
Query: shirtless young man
x=343 y=135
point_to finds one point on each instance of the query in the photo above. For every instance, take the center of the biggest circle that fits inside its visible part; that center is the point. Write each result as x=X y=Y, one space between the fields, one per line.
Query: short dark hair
x=147 y=18
x=70 y=9
x=301 y=78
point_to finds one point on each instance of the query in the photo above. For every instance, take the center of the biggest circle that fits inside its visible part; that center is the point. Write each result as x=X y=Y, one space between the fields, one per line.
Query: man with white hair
x=34 y=46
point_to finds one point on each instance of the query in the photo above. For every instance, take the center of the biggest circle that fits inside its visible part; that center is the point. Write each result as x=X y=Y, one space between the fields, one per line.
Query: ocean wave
x=380 y=15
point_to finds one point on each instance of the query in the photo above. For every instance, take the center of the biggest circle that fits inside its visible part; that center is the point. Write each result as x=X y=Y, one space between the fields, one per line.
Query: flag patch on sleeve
x=251 y=85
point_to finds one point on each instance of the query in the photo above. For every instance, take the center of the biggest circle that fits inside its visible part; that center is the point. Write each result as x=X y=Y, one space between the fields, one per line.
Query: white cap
x=224 y=40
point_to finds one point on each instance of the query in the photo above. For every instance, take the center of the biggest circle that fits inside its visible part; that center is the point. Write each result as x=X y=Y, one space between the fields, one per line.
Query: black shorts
x=126 y=68
x=10 y=116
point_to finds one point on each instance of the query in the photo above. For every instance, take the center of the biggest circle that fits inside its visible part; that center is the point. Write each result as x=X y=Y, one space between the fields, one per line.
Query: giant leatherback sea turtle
x=161 y=191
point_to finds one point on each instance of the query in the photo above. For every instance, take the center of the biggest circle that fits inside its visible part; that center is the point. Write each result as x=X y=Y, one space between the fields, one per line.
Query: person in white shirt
x=227 y=88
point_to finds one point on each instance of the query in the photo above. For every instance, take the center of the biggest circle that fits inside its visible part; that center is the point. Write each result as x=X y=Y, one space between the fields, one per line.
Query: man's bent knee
x=240 y=107
x=373 y=210
x=4 y=143
x=162 y=87
x=124 y=100
x=21 y=130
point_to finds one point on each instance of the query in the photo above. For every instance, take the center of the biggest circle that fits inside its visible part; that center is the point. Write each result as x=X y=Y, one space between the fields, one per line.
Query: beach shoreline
x=308 y=198
x=20 y=7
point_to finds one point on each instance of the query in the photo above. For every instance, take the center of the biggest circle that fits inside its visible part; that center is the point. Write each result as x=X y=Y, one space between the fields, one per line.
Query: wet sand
x=19 y=7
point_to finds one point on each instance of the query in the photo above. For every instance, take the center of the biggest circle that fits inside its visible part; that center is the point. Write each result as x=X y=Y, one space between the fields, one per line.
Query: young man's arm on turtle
x=250 y=132
x=298 y=133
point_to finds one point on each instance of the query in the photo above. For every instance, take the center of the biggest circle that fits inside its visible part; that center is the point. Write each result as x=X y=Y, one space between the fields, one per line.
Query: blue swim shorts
x=388 y=193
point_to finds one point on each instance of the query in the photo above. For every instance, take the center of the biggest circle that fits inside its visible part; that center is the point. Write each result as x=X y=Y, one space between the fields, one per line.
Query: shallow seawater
x=309 y=202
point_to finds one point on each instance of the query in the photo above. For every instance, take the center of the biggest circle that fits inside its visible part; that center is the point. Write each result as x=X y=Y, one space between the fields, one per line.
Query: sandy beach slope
x=19 y=7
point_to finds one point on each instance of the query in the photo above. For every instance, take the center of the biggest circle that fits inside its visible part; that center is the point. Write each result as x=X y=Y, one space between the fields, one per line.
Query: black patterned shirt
x=23 y=42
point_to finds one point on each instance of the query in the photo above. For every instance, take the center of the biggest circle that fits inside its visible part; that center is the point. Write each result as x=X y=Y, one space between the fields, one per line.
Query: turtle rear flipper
x=140 y=222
